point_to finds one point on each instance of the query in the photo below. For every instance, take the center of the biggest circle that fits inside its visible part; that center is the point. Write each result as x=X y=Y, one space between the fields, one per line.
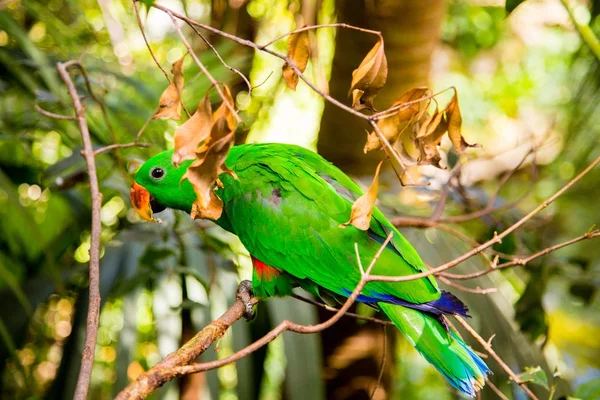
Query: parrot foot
x=244 y=294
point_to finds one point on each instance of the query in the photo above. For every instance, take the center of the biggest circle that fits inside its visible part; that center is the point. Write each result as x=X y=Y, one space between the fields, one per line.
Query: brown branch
x=348 y=314
x=315 y=27
x=212 y=80
x=455 y=285
x=496 y=390
x=380 y=377
x=248 y=43
x=139 y=21
x=87 y=358
x=53 y=115
x=229 y=67
x=522 y=261
x=287 y=325
x=497 y=237
x=120 y=146
x=165 y=371
x=178 y=363
x=488 y=347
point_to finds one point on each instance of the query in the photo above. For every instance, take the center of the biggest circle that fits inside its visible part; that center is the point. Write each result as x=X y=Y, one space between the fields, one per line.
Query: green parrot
x=286 y=206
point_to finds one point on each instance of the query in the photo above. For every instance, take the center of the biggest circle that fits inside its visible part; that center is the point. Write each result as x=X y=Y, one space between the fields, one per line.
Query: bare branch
x=496 y=239
x=165 y=371
x=120 y=146
x=139 y=21
x=53 y=115
x=91 y=332
x=525 y=260
x=348 y=314
x=203 y=68
x=488 y=347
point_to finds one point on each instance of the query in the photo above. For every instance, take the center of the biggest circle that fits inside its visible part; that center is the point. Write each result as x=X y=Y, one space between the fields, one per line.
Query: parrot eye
x=157 y=173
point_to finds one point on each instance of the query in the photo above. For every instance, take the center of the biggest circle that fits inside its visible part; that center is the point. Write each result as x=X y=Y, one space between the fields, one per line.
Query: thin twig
x=216 y=53
x=53 y=115
x=488 y=347
x=464 y=288
x=203 y=69
x=522 y=261
x=120 y=146
x=380 y=377
x=497 y=237
x=315 y=27
x=348 y=314
x=91 y=332
x=496 y=390
x=139 y=21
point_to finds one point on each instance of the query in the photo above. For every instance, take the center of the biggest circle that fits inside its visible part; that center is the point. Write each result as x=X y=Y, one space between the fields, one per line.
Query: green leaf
x=511 y=5
x=589 y=390
x=535 y=375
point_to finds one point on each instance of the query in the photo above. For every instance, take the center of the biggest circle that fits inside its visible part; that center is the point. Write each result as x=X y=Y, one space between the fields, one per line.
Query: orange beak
x=140 y=199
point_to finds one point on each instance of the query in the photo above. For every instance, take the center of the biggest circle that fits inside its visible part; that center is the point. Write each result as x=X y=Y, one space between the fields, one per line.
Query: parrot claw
x=244 y=294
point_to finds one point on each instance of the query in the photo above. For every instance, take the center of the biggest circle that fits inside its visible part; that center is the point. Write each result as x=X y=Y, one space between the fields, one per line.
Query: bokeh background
x=528 y=88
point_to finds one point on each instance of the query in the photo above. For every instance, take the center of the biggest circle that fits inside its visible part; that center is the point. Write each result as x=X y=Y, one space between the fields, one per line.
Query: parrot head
x=157 y=186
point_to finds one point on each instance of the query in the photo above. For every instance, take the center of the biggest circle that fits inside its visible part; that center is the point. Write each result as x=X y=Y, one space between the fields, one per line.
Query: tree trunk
x=411 y=32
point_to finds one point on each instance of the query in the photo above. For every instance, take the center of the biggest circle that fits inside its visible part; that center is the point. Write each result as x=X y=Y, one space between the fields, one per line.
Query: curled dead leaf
x=369 y=77
x=362 y=209
x=396 y=124
x=455 y=124
x=193 y=131
x=225 y=110
x=298 y=51
x=204 y=173
x=169 y=105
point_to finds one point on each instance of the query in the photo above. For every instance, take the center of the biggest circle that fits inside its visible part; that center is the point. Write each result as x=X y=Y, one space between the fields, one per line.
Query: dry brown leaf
x=225 y=111
x=299 y=53
x=362 y=209
x=369 y=77
x=455 y=124
x=223 y=122
x=193 y=131
x=203 y=174
x=169 y=105
x=395 y=125
x=429 y=144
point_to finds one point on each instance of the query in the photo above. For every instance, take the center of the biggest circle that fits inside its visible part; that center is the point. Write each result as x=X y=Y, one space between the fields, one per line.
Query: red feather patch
x=264 y=271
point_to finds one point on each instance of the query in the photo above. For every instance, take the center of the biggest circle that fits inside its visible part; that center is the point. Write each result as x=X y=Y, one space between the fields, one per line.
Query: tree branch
x=496 y=239
x=178 y=363
x=488 y=347
x=165 y=370
x=91 y=332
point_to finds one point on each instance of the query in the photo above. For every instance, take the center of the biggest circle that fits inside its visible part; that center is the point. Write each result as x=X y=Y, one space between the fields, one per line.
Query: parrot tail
x=463 y=369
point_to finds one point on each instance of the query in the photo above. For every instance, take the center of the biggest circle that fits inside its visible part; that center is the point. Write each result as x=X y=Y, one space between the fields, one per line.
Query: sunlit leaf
x=455 y=125
x=588 y=390
x=362 y=209
x=394 y=126
x=194 y=131
x=430 y=142
x=169 y=105
x=299 y=53
x=535 y=375
x=204 y=173
x=223 y=122
x=369 y=77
